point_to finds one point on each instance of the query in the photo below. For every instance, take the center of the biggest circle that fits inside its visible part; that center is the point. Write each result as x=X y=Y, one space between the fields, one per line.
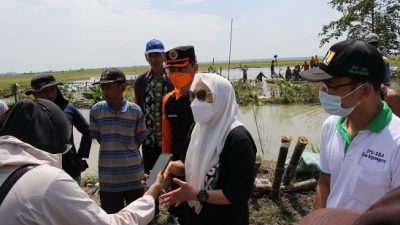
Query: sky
x=53 y=35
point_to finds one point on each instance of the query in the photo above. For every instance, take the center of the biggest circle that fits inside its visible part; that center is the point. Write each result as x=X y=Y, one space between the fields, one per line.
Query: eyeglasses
x=330 y=89
x=201 y=95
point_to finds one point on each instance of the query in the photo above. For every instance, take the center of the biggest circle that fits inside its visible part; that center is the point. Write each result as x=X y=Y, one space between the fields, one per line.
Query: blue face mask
x=332 y=104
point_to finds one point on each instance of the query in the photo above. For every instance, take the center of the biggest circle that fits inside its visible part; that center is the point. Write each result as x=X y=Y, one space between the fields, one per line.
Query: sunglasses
x=201 y=95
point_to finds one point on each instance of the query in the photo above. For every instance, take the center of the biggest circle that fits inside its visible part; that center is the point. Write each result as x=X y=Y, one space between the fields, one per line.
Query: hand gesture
x=174 y=168
x=185 y=192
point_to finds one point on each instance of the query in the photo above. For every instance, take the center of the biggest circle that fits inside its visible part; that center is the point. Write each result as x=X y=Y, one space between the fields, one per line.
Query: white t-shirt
x=46 y=195
x=364 y=169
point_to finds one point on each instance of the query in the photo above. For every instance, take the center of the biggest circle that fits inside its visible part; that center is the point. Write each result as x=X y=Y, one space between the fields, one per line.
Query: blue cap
x=154 y=45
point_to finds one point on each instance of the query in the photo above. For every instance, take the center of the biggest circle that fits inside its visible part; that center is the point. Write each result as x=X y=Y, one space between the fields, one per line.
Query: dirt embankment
x=291 y=208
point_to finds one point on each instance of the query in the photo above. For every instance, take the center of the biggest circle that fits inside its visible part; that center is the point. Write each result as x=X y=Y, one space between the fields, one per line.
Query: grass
x=62 y=76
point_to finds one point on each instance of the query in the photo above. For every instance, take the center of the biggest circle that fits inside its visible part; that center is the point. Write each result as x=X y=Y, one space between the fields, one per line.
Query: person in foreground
x=360 y=154
x=219 y=164
x=37 y=133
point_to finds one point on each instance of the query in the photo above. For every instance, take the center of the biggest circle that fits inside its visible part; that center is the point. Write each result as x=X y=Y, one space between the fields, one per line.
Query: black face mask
x=39 y=123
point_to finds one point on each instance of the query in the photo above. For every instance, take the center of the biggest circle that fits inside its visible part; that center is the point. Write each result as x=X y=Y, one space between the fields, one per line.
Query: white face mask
x=202 y=111
x=332 y=104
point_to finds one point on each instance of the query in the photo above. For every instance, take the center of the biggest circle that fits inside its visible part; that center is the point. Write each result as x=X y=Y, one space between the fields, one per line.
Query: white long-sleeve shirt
x=47 y=195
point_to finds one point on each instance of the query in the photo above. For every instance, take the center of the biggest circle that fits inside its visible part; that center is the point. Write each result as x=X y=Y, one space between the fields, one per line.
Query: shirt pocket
x=369 y=185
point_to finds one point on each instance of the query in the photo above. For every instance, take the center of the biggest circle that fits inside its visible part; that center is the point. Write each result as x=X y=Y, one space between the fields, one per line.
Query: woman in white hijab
x=219 y=164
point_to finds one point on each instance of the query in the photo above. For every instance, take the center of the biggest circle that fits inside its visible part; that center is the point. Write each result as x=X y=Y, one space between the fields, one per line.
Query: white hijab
x=207 y=140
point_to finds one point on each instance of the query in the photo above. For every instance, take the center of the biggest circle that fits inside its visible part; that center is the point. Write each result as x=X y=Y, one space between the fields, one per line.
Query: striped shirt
x=119 y=134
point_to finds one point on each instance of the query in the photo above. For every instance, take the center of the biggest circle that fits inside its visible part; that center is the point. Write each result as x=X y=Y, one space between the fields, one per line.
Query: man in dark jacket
x=181 y=66
x=44 y=86
x=150 y=89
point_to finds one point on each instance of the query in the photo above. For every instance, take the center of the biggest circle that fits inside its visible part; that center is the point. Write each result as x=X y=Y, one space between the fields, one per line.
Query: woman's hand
x=174 y=168
x=185 y=192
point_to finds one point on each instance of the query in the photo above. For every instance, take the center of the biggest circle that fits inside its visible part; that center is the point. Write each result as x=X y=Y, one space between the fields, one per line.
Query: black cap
x=180 y=56
x=41 y=81
x=111 y=75
x=350 y=58
x=40 y=123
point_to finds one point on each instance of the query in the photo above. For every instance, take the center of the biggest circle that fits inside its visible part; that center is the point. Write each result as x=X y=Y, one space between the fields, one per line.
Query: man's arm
x=322 y=193
x=166 y=127
x=65 y=198
x=94 y=131
x=141 y=131
x=136 y=89
x=82 y=126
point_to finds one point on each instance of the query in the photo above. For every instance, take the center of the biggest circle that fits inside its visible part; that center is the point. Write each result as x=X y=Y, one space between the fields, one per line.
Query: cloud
x=41 y=35
x=124 y=5
x=187 y=2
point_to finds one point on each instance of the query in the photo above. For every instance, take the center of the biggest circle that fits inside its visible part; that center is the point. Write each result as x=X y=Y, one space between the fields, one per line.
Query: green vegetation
x=286 y=92
x=89 y=179
x=360 y=17
x=247 y=93
x=62 y=76
x=281 y=92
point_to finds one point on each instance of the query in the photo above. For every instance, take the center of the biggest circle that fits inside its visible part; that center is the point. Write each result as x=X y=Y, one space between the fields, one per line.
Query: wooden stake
x=291 y=169
x=280 y=167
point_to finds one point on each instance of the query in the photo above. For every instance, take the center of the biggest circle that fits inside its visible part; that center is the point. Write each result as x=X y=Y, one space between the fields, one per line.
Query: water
x=273 y=121
x=236 y=73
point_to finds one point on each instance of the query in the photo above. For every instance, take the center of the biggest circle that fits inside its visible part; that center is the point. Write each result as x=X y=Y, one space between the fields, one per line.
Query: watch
x=202 y=196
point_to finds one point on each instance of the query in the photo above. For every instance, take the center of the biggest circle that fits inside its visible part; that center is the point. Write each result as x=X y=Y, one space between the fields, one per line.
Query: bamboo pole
x=298 y=151
x=280 y=167
x=296 y=187
x=304 y=185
